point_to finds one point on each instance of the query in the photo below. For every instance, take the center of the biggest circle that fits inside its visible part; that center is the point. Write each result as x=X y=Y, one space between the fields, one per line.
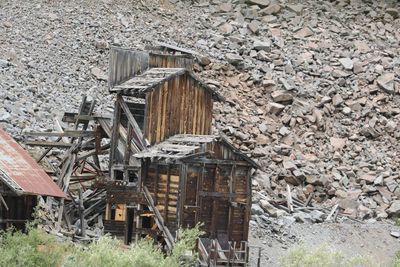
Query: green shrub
x=107 y=251
x=35 y=248
x=323 y=257
x=396 y=260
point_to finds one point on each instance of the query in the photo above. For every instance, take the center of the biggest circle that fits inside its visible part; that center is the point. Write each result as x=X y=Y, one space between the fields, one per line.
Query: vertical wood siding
x=171 y=61
x=179 y=106
x=125 y=64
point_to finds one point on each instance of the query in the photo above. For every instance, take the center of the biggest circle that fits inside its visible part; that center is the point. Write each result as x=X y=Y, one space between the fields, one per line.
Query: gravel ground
x=352 y=239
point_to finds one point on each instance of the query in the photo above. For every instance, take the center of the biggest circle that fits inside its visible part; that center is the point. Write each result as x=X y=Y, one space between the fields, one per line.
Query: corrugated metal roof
x=21 y=172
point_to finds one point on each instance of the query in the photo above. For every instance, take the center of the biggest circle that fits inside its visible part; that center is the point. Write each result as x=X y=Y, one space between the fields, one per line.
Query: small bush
x=107 y=251
x=323 y=257
x=396 y=260
x=35 y=248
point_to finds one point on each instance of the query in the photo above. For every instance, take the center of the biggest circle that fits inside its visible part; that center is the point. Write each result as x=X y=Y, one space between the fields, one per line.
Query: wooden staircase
x=213 y=253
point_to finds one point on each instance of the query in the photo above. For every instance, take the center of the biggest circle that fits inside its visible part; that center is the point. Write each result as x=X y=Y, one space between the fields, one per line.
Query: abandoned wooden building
x=167 y=170
x=21 y=181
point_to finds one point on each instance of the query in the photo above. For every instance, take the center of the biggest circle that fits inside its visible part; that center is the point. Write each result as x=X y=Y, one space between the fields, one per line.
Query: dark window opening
x=132 y=177
x=118 y=175
x=113 y=210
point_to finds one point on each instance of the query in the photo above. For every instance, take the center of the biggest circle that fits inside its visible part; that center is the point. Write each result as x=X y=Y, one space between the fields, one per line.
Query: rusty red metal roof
x=20 y=172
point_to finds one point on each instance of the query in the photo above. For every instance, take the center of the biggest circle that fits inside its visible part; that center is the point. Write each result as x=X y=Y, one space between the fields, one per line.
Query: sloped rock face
x=314 y=84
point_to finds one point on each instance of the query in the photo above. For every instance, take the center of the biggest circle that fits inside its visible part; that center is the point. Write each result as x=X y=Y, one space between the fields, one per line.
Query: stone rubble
x=313 y=89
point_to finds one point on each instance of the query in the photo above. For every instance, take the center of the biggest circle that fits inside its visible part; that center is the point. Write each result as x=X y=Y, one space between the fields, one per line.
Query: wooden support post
x=248 y=206
x=167 y=195
x=115 y=135
x=60 y=214
x=181 y=198
x=215 y=205
x=231 y=208
x=4 y=202
x=81 y=213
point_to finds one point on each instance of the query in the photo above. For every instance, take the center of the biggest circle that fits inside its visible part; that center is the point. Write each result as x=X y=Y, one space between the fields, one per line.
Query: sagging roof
x=174 y=49
x=183 y=146
x=139 y=85
x=20 y=172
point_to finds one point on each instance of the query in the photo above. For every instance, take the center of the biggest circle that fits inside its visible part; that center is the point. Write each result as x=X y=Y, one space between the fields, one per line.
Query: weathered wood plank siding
x=125 y=64
x=179 y=106
x=171 y=61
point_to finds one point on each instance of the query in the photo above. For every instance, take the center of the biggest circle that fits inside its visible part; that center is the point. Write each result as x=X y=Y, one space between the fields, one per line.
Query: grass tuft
x=323 y=257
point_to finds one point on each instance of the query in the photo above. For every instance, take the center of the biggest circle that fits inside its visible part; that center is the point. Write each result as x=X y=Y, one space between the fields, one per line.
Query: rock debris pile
x=313 y=87
x=314 y=90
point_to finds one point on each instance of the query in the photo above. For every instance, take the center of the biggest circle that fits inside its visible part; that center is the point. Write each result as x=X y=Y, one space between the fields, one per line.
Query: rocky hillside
x=313 y=87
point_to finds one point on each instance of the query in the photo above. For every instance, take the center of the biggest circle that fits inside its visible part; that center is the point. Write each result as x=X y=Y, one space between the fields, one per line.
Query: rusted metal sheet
x=20 y=172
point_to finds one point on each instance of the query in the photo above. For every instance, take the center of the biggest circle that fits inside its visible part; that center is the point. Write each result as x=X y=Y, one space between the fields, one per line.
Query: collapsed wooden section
x=198 y=179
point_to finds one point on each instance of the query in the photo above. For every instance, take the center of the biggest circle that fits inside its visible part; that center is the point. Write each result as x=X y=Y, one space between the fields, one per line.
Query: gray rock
x=303 y=33
x=347 y=63
x=225 y=7
x=317 y=216
x=394 y=209
x=337 y=100
x=281 y=96
x=4 y=63
x=303 y=217
x=254 y=26
x=386 y=82
x=395 y=234
x=276 y=108
x=256 y=209
x=226 y=28
x=242 y=136
x=317 y=180
x=261 y=45
x=234 y=59
x=262 y=3
x=99 y=74
x=298 y=8
x=268 y=208
x=394 y=12
x=273 y=9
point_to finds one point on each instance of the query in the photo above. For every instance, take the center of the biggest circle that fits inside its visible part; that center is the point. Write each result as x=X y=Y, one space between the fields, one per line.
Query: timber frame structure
x=166 y=170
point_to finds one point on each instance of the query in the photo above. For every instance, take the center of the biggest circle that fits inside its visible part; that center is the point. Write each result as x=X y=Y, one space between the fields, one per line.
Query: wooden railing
x=212 y=254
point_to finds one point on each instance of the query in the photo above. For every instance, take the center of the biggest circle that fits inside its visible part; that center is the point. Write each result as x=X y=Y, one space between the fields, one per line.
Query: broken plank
x=329 y=218
x=66 y=133
x=289 y=199
x=47 y=144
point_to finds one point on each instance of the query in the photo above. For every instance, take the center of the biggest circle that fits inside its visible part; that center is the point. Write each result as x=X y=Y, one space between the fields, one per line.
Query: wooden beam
x=48 y=144
x=135 y=127
x=169 y=239
x=4 y=202
x=167 y=194
x=115 y=135
x=66 y=133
